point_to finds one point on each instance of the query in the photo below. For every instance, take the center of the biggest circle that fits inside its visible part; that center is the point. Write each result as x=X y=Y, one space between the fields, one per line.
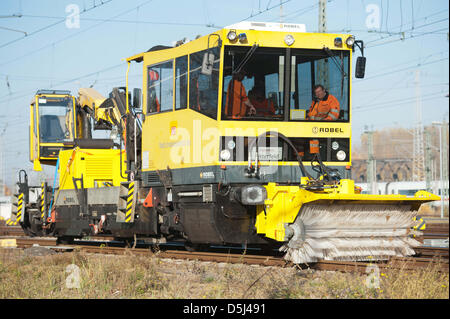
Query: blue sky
x=55 y=56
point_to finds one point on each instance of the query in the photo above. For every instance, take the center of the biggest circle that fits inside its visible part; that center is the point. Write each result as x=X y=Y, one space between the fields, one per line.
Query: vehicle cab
x=52 y=125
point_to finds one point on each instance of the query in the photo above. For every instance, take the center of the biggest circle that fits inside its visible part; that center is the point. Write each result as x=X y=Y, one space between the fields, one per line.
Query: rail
x=427 y=256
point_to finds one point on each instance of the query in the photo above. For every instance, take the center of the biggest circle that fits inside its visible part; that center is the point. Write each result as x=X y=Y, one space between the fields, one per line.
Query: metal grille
x=100 y=168
x=153 y=178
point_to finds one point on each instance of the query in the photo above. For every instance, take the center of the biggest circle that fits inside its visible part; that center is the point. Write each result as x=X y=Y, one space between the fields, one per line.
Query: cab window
x=55 y=119
x=203 y=87
x=181 y=75
x=311 y=68
x=160 y=87
x=260 y=81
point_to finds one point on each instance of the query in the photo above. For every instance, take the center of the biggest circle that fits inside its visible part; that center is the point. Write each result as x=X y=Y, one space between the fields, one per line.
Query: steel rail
x=409 y=263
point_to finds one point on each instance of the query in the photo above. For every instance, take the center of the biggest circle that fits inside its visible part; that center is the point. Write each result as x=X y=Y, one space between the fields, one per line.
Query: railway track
x=436 y=231
x=427 y=256
x=11 y=231
x=432 y=231
x=431 y=252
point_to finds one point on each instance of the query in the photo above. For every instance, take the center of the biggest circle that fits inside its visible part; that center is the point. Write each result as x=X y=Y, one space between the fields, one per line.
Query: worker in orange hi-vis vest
x=263 y=106
x=237 y=101
x=324 y=107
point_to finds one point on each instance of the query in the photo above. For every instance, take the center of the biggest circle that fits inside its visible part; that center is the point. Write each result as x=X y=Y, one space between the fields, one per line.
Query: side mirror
x=137 y=94
x=360 y=67
x=207 y=65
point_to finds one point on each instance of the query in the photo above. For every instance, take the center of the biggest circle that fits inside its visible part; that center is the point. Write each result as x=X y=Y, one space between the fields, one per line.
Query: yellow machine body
x=171 y=132
x=331 y=221
x=97 y=167
x=284 y=203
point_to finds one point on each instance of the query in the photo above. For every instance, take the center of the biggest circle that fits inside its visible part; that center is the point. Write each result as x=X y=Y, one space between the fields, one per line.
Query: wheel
x=32 y=226
x=65 y=240
x=189 y=246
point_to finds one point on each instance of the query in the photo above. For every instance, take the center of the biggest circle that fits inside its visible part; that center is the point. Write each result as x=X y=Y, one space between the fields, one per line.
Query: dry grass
x=143 y=277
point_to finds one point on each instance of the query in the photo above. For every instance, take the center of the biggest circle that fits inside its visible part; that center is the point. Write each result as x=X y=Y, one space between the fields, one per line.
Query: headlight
x=232 y=35
x=231 y=144
x=253 y=195
x=341 y=155
x=335 y=146
x=289 y=39
x=225 y=155
x=350 y=41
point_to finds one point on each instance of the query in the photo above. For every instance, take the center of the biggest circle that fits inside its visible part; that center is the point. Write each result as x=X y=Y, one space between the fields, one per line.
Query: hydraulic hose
x=288 y=142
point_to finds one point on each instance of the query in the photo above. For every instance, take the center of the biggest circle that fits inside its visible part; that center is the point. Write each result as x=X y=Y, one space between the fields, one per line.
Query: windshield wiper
x=340 y=67
x=246 y=58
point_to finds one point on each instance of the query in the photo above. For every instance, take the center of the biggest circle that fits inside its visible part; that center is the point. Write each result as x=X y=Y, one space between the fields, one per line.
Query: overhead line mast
x=418 y=149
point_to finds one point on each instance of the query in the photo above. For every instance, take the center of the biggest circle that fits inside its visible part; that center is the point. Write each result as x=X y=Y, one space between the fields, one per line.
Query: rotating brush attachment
x=351 y=232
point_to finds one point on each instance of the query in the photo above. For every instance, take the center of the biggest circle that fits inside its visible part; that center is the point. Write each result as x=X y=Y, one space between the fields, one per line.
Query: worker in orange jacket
x=237 y=101
x=325 y=107
x=263 y=106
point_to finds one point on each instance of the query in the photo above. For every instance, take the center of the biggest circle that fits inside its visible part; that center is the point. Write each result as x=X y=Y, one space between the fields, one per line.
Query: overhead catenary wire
x=27 y=35
x=402 y=69
x=390 y=34
x=103 y=21
x=267 y=9
x=27 y=92
x=208 y=25
x=393 y=32
x=396 y=102
x=72 y=35
x=409 y=37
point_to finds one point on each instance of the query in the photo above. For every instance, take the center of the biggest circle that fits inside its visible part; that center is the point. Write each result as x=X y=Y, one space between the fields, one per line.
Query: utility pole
x=371 y=164
x=444 y=163
x=2 y=158
x=418 y=151
x=428 y=161
x=322 y=16
x=443 y=180
x=281 y=11
x=322 y=65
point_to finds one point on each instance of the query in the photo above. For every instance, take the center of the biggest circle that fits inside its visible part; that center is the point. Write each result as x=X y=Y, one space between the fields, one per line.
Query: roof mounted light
x=289 y=40
x=338 y=42
x=242 y=37
x=350 y=41
x=232 y=36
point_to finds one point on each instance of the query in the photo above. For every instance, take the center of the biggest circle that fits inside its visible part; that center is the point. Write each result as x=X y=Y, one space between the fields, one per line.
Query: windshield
x=317 y=82
x=55 y=119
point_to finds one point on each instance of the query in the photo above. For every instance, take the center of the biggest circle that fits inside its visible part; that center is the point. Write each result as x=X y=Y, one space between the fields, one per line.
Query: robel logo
x=316 y=130
x=68 y=200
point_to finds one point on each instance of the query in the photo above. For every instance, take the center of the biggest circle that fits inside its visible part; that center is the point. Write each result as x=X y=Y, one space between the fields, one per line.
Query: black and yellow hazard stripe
x=129 y=210
x=20 y=206
x=421 y=223
x=43 y=201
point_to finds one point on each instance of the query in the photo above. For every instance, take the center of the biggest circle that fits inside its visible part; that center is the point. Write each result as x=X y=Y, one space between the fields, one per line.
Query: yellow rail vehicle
x=222 y=170
x=61 y=136
x=245 y=138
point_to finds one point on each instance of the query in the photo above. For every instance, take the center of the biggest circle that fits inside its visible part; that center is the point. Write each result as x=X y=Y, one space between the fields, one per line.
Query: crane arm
x=105 y=111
